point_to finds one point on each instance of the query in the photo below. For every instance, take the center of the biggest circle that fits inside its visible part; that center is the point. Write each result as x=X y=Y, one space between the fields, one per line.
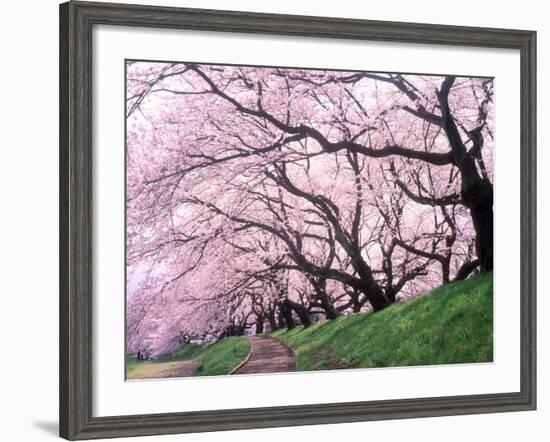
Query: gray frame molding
x=76 y=22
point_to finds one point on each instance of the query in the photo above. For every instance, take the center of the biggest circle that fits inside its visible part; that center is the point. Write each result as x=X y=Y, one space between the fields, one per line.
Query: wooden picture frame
x=76 y=243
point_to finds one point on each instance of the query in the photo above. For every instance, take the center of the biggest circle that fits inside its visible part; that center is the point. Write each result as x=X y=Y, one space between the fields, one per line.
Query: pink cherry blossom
x=272 y=196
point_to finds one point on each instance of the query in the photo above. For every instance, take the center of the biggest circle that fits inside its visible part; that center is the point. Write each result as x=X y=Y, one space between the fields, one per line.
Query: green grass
x=159 y=368
x=451 y=324
x=222 y=356
x=186 y=351
x=191 y=360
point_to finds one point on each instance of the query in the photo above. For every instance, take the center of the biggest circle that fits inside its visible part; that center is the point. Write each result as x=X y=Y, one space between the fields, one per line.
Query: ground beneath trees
x=452 y=324
x=209 y=359
x=169 y=369
x=268 y=355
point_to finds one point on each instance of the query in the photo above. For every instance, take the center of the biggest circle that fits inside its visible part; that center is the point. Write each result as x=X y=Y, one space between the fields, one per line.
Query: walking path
x=268 y=355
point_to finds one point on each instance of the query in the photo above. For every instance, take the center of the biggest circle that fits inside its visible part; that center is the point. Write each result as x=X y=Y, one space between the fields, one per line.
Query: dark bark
x=328 y=307
x=286 y=316
x=466 y=269
x=272 y=322
x=233 y=330
x=300 y=310
x=480 y=202
x=325 y=302
x=259 y=325
x=376 y=297
x=281 y=323
x=476 y=191
x=444 y=260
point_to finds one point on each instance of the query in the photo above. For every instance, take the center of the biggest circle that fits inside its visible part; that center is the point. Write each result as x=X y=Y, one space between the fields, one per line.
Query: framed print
x=271 y=220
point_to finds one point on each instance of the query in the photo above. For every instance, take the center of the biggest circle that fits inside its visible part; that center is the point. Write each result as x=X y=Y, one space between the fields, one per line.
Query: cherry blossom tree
x=265 y=197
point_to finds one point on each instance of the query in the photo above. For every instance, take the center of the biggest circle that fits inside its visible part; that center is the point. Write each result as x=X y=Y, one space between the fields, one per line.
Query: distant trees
x=268 y=196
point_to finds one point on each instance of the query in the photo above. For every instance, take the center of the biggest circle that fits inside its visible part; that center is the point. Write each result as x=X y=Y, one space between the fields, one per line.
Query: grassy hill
x=451 y=324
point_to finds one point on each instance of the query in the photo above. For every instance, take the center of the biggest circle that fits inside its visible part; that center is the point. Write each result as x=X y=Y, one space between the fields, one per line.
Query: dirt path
x=268 y=355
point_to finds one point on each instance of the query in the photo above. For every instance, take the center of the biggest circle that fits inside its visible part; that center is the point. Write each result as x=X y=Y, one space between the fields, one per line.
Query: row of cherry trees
x=269 y=196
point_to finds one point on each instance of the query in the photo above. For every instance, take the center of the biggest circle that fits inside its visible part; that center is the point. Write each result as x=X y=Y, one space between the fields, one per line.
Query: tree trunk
x=465 y=269
x=328 y=307
x=272 y=322
x=376 y=297
x=287 y=315
x=300 y=310
x=321 y=294
x=446 y=269
x=476 y=191
x=369 y=287
x=379 y=301
x=281 y=319
x=259 y=325
x=480 y=203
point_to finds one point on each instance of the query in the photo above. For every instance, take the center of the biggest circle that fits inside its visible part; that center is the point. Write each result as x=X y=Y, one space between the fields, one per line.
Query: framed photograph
x=271 y=220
